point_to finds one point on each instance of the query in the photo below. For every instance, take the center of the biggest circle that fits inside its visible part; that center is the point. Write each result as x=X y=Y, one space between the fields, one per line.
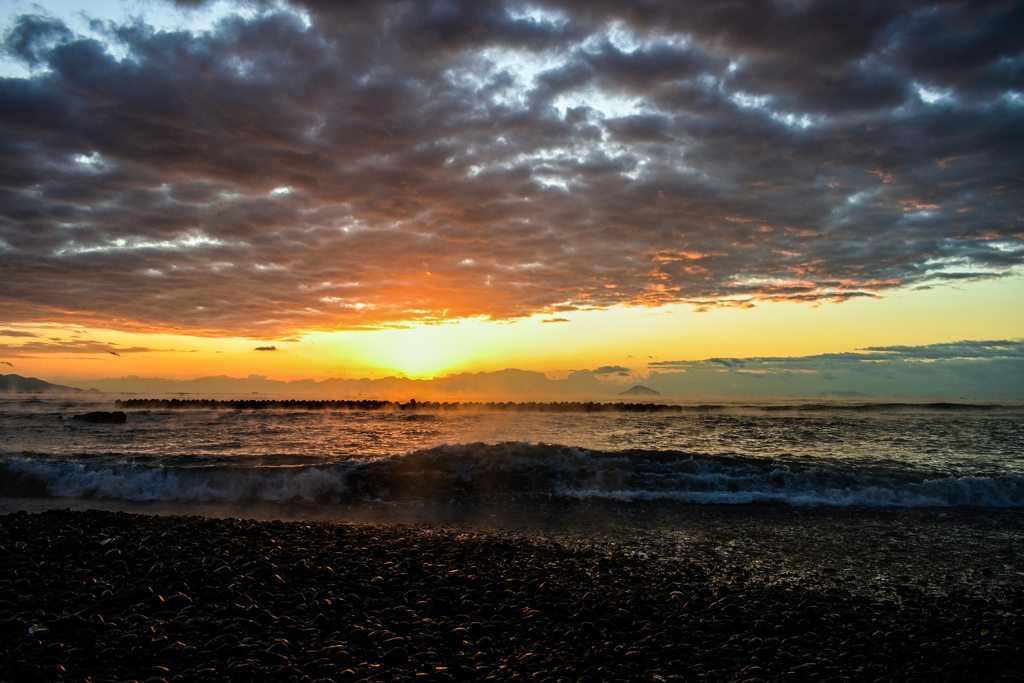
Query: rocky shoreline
x=110 y=596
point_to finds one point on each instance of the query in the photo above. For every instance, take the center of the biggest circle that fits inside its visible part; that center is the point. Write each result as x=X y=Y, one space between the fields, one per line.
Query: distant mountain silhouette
x=31 y=385
x=640 y=391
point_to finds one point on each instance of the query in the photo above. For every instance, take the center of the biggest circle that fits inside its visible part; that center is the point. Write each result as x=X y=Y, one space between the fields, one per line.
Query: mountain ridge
x=17 y=384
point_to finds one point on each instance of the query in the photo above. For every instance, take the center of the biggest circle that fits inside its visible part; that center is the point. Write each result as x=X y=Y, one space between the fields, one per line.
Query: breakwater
x=412 y=405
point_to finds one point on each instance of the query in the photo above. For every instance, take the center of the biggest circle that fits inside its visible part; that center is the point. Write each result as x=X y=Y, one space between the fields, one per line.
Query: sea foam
x=509 y=471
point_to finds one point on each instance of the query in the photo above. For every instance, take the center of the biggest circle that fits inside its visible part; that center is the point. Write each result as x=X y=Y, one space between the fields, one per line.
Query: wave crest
x=507 y=471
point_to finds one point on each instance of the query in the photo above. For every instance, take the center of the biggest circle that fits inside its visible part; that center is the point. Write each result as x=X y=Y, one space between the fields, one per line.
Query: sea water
x=789 y=453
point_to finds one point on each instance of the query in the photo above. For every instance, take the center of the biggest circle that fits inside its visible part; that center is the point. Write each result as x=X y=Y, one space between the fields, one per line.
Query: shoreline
x=859 y=595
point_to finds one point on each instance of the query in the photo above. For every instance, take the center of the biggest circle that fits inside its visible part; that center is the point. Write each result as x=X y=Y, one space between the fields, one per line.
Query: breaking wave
x=508 y=471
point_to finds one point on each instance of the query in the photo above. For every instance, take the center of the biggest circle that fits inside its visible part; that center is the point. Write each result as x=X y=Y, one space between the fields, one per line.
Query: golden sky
x=625 y=337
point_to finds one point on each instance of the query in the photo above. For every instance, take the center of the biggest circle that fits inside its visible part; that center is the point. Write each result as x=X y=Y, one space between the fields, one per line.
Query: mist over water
x=837 y=454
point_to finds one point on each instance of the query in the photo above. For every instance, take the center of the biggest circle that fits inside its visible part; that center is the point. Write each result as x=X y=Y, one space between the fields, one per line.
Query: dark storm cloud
x=332 y=165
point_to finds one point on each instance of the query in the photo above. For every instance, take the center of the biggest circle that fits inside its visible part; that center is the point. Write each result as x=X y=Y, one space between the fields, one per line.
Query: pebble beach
x=751 y=594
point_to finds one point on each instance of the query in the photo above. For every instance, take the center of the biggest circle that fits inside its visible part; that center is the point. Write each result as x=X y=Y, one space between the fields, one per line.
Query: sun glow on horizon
x=629 y=337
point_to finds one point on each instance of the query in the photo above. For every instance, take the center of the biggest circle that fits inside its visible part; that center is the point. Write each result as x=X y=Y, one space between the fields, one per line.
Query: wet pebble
x=112 y=596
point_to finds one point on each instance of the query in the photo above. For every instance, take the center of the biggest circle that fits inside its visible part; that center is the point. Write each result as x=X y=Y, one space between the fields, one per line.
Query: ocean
x=740 y=540
x=308 y=460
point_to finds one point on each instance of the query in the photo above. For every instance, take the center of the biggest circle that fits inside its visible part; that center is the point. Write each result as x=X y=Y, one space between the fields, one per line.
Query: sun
x=418 y=352
x=419 y=358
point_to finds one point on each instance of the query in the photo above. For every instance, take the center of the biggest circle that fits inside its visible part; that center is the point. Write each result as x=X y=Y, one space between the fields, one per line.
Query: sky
x=315 y=190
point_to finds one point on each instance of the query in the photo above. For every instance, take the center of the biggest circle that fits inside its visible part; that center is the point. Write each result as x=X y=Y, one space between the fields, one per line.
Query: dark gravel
x=111 y=596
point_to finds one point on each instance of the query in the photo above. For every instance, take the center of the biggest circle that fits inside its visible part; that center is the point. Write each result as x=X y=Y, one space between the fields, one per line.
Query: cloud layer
x=953 y=351
x=975 y=369
x=35 y=349
x=310 y=166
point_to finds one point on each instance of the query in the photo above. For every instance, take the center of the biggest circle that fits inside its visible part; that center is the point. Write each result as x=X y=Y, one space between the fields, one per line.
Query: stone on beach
x=306 y=601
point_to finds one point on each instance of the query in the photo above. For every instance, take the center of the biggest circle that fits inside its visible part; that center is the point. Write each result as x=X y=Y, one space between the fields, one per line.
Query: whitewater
x=788 y=453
